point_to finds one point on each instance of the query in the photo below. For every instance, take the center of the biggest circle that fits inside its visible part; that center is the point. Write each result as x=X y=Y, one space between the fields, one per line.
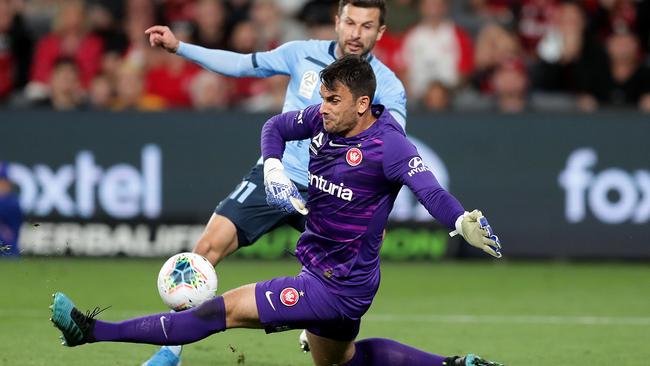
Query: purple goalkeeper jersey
x=353 y=183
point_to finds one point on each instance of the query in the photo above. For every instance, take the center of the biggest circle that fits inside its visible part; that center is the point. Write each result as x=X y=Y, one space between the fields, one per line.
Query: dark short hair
x=65 y=61
x=354 y=72
x=379 y=4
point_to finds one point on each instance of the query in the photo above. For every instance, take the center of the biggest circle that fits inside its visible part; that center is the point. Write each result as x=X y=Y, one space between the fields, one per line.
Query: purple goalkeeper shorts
x=304 y=302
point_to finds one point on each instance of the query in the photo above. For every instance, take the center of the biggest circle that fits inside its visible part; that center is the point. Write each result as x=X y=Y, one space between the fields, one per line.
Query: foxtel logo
x=121 y=190
x=328 y=187
x=586 y=188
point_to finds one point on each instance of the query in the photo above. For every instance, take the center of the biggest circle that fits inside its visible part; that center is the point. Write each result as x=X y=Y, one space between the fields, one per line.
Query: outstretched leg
x=235 y=309
x=380 y=351
x=279 y=304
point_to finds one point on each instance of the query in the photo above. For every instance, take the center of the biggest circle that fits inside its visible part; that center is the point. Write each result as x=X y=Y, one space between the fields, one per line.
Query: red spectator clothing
x=245 y=88
x=499 y=6
x=466 y=59
x=173 y=86
x=6 y=72
x=179 y=10
x=444 y=54
x=389 y=51
x=88 y=57
x=591 y=6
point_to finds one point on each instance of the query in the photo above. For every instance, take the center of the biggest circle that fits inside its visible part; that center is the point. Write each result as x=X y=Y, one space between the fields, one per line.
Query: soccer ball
x=186 y=280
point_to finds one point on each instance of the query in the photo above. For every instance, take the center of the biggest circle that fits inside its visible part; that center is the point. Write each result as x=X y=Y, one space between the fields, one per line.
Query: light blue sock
x=175 y=350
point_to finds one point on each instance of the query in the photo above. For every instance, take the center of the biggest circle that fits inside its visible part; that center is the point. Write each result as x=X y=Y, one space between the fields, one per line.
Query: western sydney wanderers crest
x=354 y=156
x=289 y=296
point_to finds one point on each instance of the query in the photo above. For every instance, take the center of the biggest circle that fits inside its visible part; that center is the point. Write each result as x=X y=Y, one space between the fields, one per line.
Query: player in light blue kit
x=359 y=160
x=359 y=25
x=244 y=216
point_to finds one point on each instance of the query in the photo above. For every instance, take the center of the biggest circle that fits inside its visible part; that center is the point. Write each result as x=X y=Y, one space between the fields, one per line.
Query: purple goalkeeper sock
x=380 y=351
x=167 y=328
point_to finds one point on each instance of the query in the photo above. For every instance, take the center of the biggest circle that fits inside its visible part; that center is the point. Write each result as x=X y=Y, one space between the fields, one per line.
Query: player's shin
x=380 y=351
x=167 y=328
x=165 y=356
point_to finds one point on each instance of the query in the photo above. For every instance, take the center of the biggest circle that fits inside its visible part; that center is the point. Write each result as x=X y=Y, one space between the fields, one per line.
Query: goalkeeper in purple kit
x=359 y=159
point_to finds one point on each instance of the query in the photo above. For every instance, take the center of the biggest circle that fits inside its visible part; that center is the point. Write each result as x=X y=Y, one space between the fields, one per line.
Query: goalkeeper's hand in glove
x=281 y=193
x=474 y=228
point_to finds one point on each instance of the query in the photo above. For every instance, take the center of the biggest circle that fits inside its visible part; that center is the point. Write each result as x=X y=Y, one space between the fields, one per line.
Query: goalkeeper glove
x=281 y=193
x=474 y=228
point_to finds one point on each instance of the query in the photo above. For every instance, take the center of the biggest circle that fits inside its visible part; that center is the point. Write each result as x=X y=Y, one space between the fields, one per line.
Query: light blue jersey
x=302 y=61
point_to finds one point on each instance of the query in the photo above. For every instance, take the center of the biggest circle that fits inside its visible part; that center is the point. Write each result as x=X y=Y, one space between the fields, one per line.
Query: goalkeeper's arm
x=405 y=166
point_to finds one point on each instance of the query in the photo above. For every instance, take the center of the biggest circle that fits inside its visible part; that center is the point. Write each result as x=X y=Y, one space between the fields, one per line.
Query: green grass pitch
x=522 y=314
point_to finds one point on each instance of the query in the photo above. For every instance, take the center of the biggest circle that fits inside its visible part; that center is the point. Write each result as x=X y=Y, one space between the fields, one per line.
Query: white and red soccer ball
x=186 y=280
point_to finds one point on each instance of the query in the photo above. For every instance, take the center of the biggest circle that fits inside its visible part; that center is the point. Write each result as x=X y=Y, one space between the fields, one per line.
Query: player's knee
x=218 y=239
x=213 y=250
x=205 y=249
x=241 y=308
x=326 y=351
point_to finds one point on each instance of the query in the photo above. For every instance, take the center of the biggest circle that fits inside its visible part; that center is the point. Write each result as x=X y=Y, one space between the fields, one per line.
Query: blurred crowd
x=500 y=55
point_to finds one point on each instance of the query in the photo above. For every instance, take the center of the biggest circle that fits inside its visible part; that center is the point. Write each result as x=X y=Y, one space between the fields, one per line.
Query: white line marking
x=512 y=319
x=427 y=318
